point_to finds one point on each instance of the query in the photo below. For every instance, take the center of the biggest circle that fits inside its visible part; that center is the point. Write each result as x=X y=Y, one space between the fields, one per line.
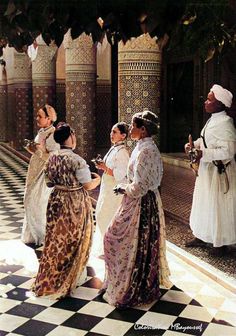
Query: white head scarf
x=51 y=112
x=223 y=95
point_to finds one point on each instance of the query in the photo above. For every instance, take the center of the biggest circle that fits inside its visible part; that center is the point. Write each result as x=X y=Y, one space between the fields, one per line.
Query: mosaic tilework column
x=60 y=84
x=3 y=104
x=8 y=55
x=81 y=91
x=103 y=115
x=60 y=100
x=43 y=76
x=103 y=97
x=139 y=69
x=23 y=99
x=19 y=102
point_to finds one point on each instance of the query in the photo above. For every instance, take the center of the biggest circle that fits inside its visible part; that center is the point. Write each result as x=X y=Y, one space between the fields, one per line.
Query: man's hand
x=187 y=147
x=199 y=155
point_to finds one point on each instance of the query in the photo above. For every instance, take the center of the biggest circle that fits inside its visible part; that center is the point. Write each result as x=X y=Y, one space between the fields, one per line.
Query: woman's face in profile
x=43 y=121
x=134 y=131
x=115 y=135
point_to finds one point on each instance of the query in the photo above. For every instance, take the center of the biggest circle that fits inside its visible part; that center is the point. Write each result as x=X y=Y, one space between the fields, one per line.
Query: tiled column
x=80 y=91
x=3 y=104
x=103 y=97
x=19 y=81
x=139 y=70
x=23 y=99
x=43 y=76
x=8 y=55
x=60 y=84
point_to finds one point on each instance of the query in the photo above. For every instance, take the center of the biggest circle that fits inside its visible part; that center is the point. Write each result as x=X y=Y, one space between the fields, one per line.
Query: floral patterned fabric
x=69 y=227
x=134 y=244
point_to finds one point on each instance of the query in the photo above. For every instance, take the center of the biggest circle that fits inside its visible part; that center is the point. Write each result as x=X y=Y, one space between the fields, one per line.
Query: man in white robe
x=213 y=214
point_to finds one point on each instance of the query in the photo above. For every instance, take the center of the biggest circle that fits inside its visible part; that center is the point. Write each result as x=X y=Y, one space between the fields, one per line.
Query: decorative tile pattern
x=44 y=78
x=139 y=69
x=103 y=115
x=81 y=91
x=61 y=100
x=23 y=115
x=3 y=108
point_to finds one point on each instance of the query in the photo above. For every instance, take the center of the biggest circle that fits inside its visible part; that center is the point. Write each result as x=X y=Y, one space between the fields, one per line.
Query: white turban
x=223 y=95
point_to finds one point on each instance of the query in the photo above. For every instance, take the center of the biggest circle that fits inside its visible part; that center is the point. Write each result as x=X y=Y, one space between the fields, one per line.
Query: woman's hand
x=32 y=147
x=119 y=189
x=100 y=165
x=96 y=177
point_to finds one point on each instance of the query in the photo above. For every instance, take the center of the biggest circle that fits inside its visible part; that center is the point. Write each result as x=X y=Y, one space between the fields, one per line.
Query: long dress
x=116 y=159
x=213 y=214
x=36 y=191
x=134 y=244
x=69 y=226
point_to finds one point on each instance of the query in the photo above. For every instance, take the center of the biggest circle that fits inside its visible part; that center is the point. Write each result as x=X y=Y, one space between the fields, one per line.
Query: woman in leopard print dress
x=69 y=219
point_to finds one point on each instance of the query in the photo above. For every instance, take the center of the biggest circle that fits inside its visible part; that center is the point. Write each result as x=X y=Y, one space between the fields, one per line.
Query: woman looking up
x=36 y=191
x=134 y=244
x=114 y=165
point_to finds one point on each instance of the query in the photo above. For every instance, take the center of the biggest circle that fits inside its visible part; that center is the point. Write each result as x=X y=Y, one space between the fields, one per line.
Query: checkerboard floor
x=195 y=305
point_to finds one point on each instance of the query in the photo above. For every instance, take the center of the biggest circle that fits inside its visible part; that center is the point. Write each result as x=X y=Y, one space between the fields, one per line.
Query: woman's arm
x=101 y=165
x=88 y=180
x=119 y=165
x=146 y=174
x=93 y=183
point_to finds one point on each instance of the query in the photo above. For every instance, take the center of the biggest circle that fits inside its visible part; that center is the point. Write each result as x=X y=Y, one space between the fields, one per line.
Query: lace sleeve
x=147 y=171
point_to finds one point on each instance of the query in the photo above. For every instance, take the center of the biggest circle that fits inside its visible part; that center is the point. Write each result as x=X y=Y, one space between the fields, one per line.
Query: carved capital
x=143 y=42
x=83 y=41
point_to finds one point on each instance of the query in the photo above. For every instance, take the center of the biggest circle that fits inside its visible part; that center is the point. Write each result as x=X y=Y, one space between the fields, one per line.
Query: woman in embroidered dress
x=134 y=244
x=36 y=191
x=69 y=219
x=114 y=165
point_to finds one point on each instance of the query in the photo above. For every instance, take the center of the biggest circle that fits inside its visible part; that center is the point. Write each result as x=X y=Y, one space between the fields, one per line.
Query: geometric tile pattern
x=195 y=304
x=103 y=115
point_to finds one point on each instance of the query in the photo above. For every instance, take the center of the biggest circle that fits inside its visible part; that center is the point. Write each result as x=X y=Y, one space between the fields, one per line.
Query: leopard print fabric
x=68 y=232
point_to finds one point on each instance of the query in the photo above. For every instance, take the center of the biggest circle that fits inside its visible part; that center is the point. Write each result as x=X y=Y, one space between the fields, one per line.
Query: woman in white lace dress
x=114 y=166
x=134 y=244
x=36 y=191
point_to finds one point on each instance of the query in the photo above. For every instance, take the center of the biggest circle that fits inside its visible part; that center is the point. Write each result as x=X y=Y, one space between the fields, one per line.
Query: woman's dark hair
x=123 y=128
x=146 y=119
x=62 y=132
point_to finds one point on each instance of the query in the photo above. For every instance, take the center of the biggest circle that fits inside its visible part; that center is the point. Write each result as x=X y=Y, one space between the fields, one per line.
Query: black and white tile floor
x=195 y=305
